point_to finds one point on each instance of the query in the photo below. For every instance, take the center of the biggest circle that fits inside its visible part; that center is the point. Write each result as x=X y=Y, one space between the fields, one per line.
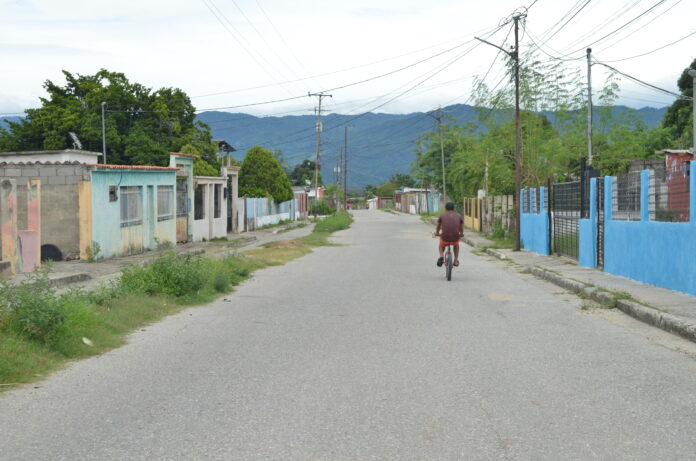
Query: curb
x=68 y=279
x=663 y=320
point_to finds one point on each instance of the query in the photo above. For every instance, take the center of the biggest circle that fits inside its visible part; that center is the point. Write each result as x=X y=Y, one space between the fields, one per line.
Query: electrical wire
x=643 y=83
x=656 y=49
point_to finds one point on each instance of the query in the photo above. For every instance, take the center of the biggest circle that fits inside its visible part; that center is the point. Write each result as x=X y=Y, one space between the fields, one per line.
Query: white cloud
x=181 y=44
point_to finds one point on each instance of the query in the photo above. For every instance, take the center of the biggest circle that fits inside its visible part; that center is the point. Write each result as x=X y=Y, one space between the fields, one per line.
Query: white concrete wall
x=211 y=227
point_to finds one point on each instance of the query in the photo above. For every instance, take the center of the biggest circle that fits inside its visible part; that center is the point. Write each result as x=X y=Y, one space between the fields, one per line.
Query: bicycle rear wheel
x=448 y=264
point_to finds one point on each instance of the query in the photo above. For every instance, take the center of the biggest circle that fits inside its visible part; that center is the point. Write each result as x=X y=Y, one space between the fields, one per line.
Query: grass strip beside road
x=41 y=329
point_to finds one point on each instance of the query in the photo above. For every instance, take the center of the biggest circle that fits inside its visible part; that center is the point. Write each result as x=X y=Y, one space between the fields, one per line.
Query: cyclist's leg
x=456 y=253
x=441 y=249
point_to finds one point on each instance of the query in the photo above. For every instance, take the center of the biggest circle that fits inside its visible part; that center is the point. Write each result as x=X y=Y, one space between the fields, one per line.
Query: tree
x=370 y=191
x=679 y=116
x=386 y=190
x=278 y=155
x=142 y=125
x=304 y=172
x=262 y=176
x=402 y=180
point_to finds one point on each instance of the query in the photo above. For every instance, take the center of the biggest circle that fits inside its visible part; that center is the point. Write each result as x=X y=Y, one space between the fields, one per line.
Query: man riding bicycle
x=450 y=229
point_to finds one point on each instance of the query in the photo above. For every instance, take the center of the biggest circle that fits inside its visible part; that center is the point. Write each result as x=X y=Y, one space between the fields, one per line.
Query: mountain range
x=379 y=144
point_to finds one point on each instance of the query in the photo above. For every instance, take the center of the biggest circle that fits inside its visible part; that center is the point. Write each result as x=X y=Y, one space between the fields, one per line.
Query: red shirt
x=450 y=224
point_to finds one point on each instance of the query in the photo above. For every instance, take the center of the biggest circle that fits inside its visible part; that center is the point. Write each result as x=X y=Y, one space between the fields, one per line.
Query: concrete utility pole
x=103 y=109
x=316 y=164
x=589 y=106
x=515 y=56
x=692 y=73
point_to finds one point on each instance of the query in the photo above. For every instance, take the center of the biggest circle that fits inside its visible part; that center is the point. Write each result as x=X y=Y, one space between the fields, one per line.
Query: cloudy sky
x=226 y=53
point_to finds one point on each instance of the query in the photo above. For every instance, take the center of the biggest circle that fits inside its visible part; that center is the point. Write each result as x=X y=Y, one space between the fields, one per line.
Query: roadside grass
x=42 y=329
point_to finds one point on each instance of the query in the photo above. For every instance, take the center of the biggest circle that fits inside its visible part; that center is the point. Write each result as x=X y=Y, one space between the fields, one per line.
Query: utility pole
x=316 y=164
x=518 y=134
x=515 y=56
x=345 y=168
x=103 y=109
x=692 y=74
x=438 y=117
x=589 y=106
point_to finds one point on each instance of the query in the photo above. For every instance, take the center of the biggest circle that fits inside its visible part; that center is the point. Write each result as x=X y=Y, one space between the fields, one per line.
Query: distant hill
x=379 y=145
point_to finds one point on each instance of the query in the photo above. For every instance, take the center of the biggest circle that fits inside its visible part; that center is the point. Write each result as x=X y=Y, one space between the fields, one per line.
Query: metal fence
x=626 y=197
x=670 y=194
x=566 y=207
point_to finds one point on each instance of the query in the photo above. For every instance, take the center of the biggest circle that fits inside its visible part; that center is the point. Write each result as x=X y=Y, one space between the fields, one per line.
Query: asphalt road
x=364 y=352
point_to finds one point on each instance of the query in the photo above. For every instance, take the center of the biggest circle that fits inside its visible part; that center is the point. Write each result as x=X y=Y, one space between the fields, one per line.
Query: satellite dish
x=76 y=141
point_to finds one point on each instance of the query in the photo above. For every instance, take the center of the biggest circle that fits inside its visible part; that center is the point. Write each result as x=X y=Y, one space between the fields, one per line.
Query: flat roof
x=49 y=152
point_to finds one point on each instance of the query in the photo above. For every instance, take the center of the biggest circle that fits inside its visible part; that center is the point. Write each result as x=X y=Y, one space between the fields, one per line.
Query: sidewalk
x=84 y=274
x=670 y=310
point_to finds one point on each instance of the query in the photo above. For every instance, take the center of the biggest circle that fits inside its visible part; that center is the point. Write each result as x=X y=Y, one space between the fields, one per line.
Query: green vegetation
x=262 y=176
x=320 y=208
x=480 y=153
x=303 y=174
x=142 y=125
x=41 y=329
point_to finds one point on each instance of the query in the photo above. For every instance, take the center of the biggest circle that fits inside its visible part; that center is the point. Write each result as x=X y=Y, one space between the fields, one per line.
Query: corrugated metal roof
x=133 y=167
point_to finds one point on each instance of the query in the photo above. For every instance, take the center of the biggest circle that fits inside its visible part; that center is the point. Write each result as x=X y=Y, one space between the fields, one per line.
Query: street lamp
x=442 y=151
x=692 y=73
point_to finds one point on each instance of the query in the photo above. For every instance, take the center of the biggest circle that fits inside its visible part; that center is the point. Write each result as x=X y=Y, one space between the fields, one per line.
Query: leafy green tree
x=402 y=180
x=262 y=176
x=304 y=172
x=386 y=190
x=142 y=125
x=200 y=166
x=679 y=116
x=370 y=191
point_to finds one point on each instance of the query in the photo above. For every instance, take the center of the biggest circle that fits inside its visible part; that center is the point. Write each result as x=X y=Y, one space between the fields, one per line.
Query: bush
x=33 y=307
x=321 y=208
x=339 y=221
x=168 y=274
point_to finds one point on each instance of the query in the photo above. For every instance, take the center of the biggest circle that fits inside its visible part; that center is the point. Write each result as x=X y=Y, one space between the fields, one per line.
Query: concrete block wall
x=534 y=232
x=60 y=206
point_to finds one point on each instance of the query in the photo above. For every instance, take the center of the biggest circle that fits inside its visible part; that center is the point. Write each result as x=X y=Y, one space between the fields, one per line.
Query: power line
x=656 y=49
x=643 y=83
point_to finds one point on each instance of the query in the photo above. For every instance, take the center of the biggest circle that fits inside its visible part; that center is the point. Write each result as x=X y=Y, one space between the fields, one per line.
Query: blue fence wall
x=534 y=226
x=264 y=211
x=659 y=253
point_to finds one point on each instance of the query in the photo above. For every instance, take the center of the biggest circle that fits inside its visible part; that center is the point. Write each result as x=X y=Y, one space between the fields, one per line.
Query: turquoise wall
x=115 y=240
x=534 y=227
x=588 y=232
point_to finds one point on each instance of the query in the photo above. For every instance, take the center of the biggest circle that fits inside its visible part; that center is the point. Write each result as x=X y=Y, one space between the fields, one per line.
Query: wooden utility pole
x=518 y=134
x=316 y=164
x=515 y=56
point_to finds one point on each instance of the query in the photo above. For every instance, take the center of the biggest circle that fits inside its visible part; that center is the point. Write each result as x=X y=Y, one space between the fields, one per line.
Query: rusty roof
x=132 y=167
x=180 y=154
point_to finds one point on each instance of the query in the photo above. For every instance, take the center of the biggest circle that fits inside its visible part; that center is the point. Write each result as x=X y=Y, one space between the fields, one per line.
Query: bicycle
x=449 y=262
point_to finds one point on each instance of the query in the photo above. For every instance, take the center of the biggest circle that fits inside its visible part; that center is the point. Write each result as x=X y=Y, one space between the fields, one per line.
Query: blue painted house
x=133 y=208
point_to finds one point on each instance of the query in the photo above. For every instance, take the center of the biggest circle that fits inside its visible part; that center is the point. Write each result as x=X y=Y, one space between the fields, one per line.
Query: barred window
x=165 y=202
x=218 y=200
x=131 y=205
x=198 y=202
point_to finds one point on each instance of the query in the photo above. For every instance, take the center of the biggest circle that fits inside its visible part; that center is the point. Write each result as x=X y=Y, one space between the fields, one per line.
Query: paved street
x=362 y=352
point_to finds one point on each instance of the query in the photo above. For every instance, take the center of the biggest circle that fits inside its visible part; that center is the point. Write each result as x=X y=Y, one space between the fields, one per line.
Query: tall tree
x=303 y=174
x=262 y=176
x=679 y=116
x=142 y=125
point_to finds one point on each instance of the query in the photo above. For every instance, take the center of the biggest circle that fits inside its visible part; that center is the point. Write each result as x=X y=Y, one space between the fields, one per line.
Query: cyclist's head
x=449 y=206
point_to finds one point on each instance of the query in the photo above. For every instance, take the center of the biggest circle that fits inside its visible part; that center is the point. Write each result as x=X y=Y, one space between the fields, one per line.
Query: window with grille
x=198 y=202
x=131 y=205
x=218 y=201
x=165 y=203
